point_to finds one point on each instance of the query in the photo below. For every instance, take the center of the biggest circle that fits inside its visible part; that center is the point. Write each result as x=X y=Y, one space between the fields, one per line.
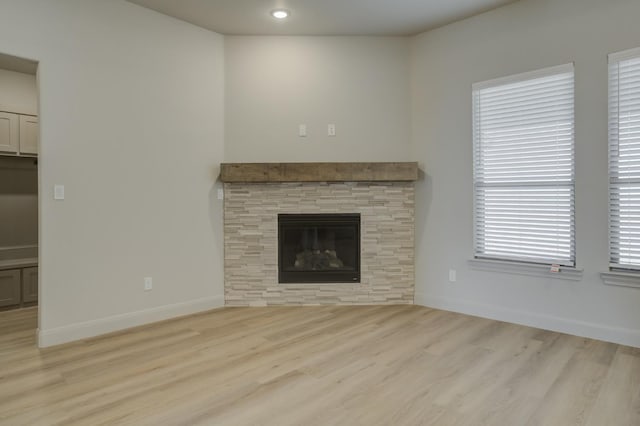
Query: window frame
x=619 y=271
x=499 y=262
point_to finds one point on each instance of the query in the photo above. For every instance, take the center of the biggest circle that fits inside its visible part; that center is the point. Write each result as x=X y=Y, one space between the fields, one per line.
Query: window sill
x=623 y=279
x=530 y=269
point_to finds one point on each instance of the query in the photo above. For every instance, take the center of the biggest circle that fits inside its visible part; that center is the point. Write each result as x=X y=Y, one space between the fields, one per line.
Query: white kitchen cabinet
x=9 y=133
x=28 y=135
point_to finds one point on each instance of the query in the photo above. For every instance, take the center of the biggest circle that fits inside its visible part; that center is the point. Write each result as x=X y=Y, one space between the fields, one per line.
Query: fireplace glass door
x=319 y=248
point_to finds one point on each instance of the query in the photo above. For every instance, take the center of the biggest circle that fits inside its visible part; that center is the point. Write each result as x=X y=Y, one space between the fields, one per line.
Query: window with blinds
x=624 y=160
x=523 y=136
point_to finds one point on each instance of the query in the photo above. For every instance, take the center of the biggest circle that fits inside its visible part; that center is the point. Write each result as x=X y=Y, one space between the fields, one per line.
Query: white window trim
x=621 y=279
x=624 y=55
x=525 y=268
x=529 y=75
x=617 y=275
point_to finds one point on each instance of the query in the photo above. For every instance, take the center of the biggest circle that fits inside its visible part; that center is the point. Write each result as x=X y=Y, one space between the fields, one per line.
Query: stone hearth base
x=251 y=249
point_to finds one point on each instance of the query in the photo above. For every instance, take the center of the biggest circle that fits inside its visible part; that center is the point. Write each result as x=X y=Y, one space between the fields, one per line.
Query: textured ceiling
x=321 y=17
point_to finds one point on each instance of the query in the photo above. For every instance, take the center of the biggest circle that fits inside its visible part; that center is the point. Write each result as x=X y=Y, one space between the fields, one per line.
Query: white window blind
x=524 y=167
x=624 y=159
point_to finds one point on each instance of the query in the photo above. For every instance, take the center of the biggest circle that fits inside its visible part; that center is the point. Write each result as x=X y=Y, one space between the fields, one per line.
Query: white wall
x=131 y=109
x=526 y=35
x=132 y=116
x=19 y=93
x=360 y=84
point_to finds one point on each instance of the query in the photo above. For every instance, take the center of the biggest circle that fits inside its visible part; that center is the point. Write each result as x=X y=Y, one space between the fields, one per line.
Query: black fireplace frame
x=318 y=277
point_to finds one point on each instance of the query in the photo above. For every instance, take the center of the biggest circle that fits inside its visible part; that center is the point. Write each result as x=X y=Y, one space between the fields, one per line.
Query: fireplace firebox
x=319 y=248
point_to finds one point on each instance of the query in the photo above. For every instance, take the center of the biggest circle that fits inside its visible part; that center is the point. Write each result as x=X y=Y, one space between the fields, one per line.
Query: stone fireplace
x=308 y=207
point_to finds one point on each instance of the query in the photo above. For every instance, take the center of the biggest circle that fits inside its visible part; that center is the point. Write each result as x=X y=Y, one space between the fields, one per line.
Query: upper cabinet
x=18 y=107
x=28 y=135
x=9 y=133
x=18 y=134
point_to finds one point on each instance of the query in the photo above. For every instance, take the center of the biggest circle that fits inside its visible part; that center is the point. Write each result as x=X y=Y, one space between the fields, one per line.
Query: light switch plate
x=58 y=192
x=220 y=194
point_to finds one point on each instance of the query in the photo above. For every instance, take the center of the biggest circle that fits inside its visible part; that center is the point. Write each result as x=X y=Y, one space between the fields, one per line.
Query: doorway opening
x=19 y=188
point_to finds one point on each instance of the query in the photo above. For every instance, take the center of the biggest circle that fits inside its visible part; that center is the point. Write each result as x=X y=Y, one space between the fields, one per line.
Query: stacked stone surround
x=251 y=246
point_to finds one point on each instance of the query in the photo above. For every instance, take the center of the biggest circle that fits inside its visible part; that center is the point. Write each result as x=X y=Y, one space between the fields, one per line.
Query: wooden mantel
x=318 y=172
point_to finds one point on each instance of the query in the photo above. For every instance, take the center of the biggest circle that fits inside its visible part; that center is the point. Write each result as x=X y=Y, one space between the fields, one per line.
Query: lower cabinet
x=29 y=285
x=18 y=287
x=10 y=287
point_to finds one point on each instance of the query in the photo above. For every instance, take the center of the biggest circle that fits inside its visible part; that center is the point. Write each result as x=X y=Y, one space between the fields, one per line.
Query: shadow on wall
x=424 y=195
x=216 y=213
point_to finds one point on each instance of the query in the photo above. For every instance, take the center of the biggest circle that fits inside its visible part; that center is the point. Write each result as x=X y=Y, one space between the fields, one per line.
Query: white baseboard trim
x=623 y=336
x=83 y=330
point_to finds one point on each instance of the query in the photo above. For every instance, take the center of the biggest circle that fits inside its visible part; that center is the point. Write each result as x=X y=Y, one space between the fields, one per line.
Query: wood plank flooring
x=341 y=365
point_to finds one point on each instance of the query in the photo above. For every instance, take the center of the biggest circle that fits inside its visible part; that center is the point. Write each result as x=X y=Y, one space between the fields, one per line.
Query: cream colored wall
x=360 y=84
x=524 y=36
x=18 y=92
x=131 y=115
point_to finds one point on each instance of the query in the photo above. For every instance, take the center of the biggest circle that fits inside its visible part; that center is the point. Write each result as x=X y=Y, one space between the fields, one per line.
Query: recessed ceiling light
x=280 y=13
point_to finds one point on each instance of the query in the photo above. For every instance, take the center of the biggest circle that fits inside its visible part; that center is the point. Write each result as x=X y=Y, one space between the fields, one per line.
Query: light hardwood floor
x=369 y=365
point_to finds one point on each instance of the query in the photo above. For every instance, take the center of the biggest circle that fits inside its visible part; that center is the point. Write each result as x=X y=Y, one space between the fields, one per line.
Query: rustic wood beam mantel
x=318 y=172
